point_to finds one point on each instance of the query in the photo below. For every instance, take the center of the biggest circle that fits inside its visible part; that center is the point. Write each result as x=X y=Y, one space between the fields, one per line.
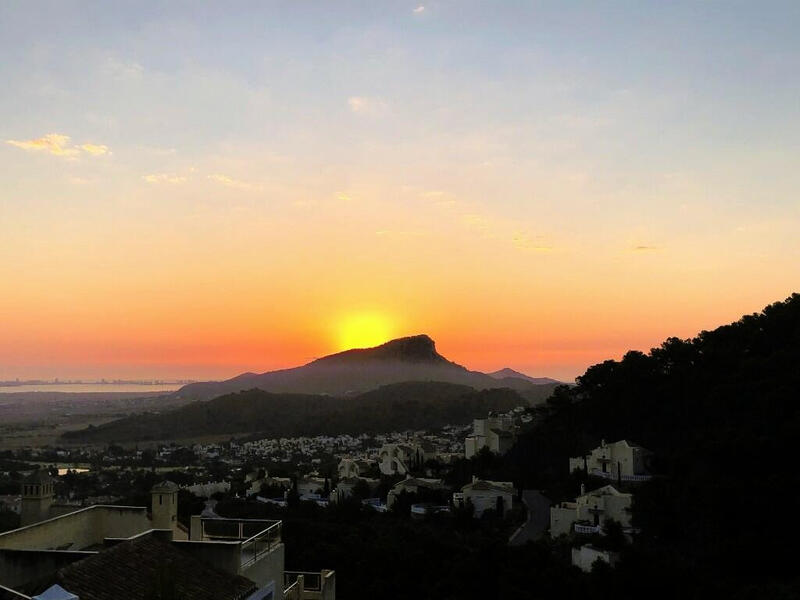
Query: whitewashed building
x=617 y=461
x=590 y=512
x=495 y=433
x=484 y=495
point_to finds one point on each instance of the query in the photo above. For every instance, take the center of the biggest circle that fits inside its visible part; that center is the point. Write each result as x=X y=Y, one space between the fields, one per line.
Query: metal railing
x=257 y=536
x=9 y=594
x=261 y=543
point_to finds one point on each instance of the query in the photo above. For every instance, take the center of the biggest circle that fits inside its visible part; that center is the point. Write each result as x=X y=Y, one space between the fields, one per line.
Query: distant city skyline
x=197 y=191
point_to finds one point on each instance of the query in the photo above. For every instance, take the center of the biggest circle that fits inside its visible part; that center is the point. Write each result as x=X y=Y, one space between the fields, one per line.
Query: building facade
x=590 y=512
x=485 y=495
x=495 y=433
x=622 y=460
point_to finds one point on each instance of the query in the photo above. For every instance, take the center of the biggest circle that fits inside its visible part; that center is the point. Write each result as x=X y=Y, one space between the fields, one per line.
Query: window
x=161 y=499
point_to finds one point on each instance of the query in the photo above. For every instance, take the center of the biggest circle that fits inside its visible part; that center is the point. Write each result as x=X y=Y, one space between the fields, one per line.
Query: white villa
x=350 y=467
x=401 y=459
x=590 y=511
x=483 y=495
x=622 y=461
x=494 y=432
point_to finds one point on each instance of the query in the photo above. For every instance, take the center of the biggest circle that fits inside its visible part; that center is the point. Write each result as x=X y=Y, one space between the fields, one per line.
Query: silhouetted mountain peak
x=504 y=374
x=404 y=359
x=416 y=348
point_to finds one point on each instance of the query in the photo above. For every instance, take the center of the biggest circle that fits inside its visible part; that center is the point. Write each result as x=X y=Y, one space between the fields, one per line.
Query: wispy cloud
x=419 y=9
x=95 y=149
x=52 y=143
x=58 y=144
x=234 y=183
x=367 y=105
x=644 y=248
x=164 y=178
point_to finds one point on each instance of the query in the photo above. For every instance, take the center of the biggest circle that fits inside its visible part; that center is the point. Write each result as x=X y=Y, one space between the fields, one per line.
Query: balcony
x=307 y=585
x=587 y=529
x=255 y=537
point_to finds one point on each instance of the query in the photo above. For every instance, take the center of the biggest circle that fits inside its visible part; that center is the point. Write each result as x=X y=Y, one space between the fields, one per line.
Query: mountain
x=396 y=407
x=512 y=374
x=354 y=371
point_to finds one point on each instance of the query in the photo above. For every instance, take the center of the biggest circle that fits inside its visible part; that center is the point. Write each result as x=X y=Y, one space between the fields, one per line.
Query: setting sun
x=364 y=330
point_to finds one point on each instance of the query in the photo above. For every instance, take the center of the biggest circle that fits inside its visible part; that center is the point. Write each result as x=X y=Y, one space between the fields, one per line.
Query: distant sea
x=91 y=387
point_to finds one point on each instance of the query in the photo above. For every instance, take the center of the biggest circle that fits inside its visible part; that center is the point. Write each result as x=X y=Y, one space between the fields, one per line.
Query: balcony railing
x=611 y=476
x=587 y=529
x=257 y=536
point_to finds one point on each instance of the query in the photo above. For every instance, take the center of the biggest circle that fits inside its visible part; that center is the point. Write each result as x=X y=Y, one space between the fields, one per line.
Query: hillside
x=412 y=405
x=354 y=371
x=721 y=413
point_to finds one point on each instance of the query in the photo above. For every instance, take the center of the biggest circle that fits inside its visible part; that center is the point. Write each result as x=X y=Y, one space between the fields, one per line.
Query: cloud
x=58 y=144
x=233 y=183
x=644 y=248
x=366 y=105
x=419 y=9
x=52 y=143
x=164 y=178
x=95 y=149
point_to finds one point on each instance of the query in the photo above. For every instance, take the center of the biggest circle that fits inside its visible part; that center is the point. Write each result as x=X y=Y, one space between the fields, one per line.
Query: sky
x=194 y=191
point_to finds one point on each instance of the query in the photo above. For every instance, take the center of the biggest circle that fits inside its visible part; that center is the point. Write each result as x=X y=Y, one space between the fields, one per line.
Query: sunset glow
x=364 y=330
x=197 y=193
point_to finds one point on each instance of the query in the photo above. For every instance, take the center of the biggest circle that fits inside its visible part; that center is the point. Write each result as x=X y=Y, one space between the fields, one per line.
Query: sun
x=364 y=330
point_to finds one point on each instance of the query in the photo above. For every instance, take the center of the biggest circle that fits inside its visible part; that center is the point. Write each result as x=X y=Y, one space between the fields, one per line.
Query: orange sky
x=540 y=187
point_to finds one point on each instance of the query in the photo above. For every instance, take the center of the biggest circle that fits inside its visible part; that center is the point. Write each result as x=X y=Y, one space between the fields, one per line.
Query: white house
x=494 y=432
x=585 y=556
x=483 y=495
x=311 y=485
x=412 y=485
x=400 y=459
x=622 y=460
x=590 y=511
x=344 y=487
x=349 y=467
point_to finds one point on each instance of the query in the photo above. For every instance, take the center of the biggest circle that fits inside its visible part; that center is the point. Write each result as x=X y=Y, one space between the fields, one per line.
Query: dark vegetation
x=411 y=405
x=720 y=412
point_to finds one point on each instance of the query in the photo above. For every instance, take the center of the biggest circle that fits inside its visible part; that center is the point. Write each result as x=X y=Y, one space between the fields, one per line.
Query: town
x=412 y=474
